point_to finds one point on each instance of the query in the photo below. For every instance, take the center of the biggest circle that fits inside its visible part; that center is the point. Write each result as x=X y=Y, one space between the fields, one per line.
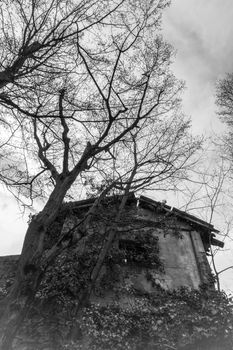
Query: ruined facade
x=157 y=249
x=180 y=244
x=184 y=247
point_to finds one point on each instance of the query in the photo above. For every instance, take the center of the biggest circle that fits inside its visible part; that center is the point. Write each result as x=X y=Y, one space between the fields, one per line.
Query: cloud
x=202 y=34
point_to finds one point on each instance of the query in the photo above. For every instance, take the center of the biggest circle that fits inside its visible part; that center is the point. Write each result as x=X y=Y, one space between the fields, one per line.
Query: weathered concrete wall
x=179 y=261
x=201 y=258
x=182 y=253
x=180 y=267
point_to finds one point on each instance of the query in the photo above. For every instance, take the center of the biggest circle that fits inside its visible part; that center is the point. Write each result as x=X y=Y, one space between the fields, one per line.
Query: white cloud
x=201 y=32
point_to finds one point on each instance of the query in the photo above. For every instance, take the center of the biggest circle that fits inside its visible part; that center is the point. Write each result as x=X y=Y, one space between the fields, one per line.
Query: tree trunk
x=29 y=273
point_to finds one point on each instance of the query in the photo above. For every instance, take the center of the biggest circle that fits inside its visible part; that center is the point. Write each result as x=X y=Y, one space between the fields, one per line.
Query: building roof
x=207 y=228
x=191 y=219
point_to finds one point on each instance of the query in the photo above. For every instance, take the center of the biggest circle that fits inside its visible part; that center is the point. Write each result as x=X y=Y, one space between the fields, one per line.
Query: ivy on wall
x=180 y=320
x=177 y=320
x=140 y=248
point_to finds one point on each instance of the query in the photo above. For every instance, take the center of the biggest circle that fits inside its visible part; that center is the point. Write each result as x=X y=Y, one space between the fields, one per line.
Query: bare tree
x=208 y=195
x=224 y=101
x=33 y=35
x=224 y=98
x=86 y=85
x=160 y=153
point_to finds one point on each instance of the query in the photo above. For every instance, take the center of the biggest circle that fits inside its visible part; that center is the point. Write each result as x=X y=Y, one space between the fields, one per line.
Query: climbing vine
x=162 y=320
x=142 y=249
x=180 y=320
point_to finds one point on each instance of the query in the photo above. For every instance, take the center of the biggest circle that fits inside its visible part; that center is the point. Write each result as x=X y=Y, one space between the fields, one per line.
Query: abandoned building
x=156 y=250
x=174 y=255
x=181 y=242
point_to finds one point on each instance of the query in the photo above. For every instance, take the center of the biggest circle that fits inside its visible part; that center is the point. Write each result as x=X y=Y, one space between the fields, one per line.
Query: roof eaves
x=179 y=213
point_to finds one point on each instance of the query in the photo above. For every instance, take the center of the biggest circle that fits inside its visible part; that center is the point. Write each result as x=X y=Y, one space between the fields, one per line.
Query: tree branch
x=41 y=151
x=65 y=138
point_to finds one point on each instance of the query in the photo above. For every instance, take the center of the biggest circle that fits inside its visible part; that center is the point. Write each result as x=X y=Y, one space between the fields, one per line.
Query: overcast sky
x=201 y=31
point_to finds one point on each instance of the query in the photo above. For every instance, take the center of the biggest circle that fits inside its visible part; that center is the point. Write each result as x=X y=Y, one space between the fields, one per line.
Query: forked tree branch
x=41 y=153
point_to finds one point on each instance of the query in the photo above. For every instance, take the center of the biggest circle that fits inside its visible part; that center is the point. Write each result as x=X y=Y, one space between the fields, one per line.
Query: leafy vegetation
x=181 y=320
x=119 y=316
x=178 y=320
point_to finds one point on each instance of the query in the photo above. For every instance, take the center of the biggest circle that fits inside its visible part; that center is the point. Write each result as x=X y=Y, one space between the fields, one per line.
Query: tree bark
x=29 y=271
